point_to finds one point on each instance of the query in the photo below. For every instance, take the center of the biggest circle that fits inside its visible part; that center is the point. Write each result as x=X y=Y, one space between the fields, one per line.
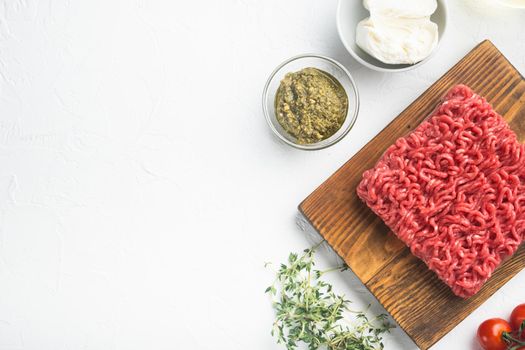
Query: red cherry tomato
x=516 y=319
x=490 y=334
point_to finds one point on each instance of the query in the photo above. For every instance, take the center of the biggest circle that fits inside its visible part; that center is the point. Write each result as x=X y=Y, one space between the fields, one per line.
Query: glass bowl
x=295 y=64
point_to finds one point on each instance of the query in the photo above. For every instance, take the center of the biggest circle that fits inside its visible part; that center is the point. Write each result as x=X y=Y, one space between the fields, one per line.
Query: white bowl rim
x=314 y=146
x=390 y=70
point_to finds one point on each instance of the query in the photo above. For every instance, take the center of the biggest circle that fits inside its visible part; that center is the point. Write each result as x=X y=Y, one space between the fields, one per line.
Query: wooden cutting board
x=422 y=305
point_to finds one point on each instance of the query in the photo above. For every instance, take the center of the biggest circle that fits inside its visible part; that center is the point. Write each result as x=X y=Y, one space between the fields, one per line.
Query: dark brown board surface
x=422 y=305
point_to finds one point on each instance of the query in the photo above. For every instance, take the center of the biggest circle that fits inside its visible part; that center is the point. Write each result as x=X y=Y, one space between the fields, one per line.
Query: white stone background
x=140 y=188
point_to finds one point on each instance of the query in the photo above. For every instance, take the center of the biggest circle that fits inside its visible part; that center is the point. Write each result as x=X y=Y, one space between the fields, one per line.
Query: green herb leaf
x=308 y=311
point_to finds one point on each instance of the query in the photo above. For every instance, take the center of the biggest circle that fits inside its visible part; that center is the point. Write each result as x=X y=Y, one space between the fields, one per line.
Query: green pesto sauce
x=311 y=105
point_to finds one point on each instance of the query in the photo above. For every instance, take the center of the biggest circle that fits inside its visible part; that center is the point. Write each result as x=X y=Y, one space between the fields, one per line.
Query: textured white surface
x=135 y=216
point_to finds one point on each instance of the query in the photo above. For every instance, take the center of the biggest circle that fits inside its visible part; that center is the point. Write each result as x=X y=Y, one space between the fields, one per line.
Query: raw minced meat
x=454 y=191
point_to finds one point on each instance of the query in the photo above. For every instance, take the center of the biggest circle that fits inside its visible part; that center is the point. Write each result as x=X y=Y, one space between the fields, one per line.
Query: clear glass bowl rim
x=322 y=144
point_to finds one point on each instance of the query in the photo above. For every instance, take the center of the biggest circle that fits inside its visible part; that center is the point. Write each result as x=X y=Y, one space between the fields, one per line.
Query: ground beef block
x=454 y=191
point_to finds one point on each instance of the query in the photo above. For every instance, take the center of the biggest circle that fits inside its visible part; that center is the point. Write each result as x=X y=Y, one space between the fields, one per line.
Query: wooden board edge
x=507 y=60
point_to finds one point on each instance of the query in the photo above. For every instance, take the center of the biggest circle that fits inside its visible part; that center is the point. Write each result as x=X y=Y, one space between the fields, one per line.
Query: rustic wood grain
x=422 y=305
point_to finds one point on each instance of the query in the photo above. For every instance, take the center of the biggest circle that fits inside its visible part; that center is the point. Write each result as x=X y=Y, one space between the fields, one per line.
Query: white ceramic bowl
x=351 y=12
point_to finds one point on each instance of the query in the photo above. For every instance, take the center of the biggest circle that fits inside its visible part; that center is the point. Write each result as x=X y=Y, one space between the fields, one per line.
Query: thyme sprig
x=308 y=310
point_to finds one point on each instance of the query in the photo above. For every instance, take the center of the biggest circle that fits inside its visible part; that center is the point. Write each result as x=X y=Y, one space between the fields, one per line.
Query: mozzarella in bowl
x=398 y=32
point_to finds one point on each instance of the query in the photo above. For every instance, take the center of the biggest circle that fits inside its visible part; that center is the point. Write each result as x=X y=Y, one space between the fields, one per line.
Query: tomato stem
x=507 y=336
